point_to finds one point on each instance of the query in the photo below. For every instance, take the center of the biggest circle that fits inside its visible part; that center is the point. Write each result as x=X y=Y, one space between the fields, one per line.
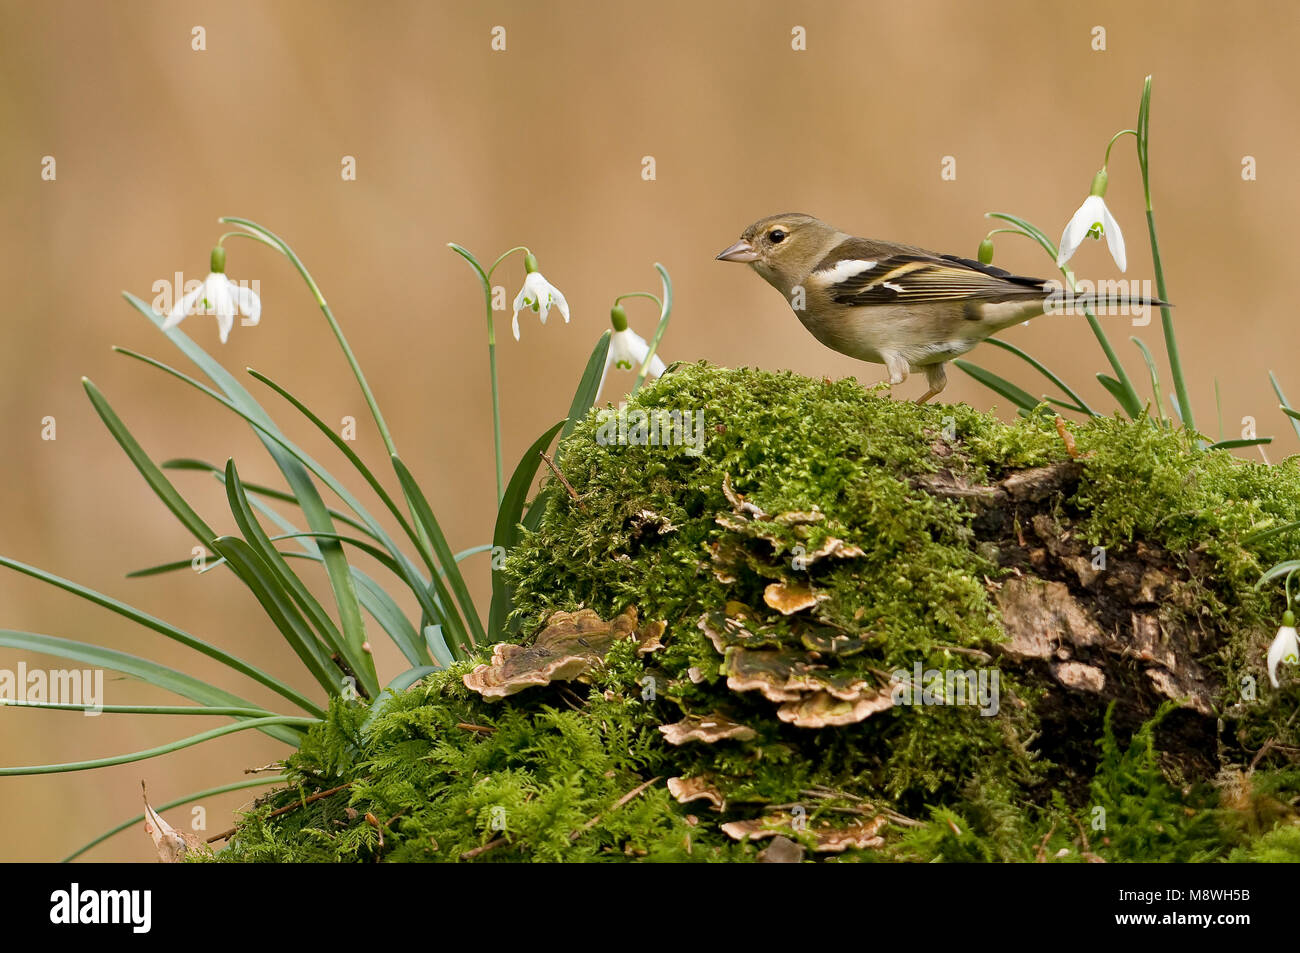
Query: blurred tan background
x=541 y=144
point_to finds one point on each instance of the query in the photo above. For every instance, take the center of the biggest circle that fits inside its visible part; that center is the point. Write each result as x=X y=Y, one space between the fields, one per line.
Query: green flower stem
x=665 y=313
x=1167 y=324
x=506 y=254
x=1143 y=133
x=1113 y=139
x=241 y=234
x=641 y=294
x=1005 y=231
x=269 y=237
x=485 y=280
x=496 y=390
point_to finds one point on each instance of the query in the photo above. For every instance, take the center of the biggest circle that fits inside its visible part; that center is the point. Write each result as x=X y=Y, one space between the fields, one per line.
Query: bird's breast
x=922 y=336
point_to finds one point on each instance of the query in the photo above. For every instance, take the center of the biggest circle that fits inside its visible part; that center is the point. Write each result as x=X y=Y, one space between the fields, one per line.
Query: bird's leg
x=897 y=366
x=937 y=377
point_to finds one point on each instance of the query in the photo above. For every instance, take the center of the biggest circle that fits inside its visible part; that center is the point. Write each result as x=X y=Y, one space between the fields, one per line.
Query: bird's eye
x=776 y=236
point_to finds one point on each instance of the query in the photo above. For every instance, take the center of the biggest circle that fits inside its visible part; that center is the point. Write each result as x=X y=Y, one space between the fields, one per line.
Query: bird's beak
x=741 y=251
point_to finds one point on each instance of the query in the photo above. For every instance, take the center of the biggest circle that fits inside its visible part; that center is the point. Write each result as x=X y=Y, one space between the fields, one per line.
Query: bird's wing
x=860 y=272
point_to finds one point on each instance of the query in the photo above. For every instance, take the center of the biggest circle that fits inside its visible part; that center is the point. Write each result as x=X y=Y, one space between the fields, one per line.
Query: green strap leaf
x=169 y=679
x=1125 y=396
x=1243 y=442
x=165 y=629
x=1079 y=403
x=1260 y=535
x=1286 y=404
x=360 y=663
x=583 y=399
x=168 y=748
x=300 y=482
x=146 y=709
x=1281 y=569
x=279 y=607
x=438 y=647
x=506 y=533
x=151 y=473
x=1021 y=398
x=257 y=489
x=418 y=586
x=374 y=598
x=353 y=459
x=447 y=560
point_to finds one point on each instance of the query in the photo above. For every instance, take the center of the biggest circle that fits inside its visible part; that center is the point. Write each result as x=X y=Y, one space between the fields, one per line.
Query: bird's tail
x=1105 y=297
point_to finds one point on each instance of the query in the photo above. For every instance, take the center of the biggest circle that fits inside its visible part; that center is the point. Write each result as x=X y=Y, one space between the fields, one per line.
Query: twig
x=273 y=766
x=617 y=804
x=571 y=698
x=1041 y=853
x=284 y=810
x=485 y=729
x=1083 y=835
x=901 y=819
x=560 y=476
x=483 y=848
x=962 y=650
x=1259 y=755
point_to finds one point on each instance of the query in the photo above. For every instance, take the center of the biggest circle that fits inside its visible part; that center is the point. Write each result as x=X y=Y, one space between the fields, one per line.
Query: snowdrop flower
x=1285 y=647
x=220 y=296
x=538 y=294
x=1093 y=220
x=627 y=349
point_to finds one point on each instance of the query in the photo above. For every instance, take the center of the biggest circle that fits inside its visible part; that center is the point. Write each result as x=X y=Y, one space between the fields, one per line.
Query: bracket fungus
x=568 y=646
x=706 y=729
x=699 y=788
x=809 y=686
x=828 y=838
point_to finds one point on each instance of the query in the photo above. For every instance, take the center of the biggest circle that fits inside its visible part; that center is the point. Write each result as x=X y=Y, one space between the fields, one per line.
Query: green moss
x=1280 y=846
x=546 y=774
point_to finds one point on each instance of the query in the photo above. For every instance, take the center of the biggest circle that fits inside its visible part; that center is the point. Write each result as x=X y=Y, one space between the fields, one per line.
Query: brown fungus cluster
x=827 y=836
x=569 y=645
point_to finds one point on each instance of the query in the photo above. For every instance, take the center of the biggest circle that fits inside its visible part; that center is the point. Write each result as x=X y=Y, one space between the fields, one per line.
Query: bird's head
x=782 y=247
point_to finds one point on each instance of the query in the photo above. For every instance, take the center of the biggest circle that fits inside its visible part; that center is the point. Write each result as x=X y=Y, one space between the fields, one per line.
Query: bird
x=893 y=304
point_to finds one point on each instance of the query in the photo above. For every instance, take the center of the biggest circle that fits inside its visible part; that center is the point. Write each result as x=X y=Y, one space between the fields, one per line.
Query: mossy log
x=768 y=617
